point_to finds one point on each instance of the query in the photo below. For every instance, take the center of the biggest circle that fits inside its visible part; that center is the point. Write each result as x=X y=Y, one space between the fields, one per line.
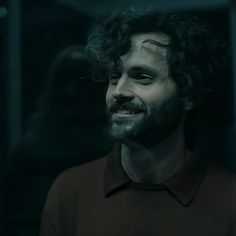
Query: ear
x=188 y=105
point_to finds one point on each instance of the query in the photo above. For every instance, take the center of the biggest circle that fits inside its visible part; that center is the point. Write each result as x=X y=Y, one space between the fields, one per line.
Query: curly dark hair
x=191 y=55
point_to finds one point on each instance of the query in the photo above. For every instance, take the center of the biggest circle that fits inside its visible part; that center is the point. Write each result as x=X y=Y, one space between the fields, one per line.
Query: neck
x=157 y=163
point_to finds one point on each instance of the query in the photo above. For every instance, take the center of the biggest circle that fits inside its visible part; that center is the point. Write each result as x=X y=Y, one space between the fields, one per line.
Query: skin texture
x=146 y=110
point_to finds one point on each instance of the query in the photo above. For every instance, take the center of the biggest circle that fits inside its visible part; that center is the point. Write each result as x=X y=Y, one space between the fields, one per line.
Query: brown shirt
x=98 y=199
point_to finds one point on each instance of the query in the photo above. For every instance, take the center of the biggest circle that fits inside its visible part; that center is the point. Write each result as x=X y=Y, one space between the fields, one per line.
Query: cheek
x=149 y=96
x=155 y=95
x=162 y=91
x=109 y=96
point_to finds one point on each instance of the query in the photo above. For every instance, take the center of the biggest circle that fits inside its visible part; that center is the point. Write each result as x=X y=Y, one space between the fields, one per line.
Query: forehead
x=150 y=48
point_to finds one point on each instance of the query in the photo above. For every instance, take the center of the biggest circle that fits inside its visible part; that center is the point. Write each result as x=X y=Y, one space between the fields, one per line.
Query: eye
x=114 y=78
x=143 y=78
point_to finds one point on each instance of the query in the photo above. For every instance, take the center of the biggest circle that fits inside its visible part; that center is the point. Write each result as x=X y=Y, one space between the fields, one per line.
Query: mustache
x=130 y=106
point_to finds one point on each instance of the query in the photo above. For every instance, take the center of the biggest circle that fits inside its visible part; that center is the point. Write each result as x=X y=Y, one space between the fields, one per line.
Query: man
x=155 y=181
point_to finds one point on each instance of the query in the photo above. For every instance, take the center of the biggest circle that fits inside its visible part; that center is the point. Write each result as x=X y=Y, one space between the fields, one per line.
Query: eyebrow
x=139 y=68
x=144 y=68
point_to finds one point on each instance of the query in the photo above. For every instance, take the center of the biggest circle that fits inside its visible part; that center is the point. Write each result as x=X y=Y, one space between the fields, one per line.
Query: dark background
x=33 y=151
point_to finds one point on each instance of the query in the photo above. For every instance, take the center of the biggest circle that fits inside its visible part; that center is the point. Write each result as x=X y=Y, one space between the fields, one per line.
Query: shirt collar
x=183 y=185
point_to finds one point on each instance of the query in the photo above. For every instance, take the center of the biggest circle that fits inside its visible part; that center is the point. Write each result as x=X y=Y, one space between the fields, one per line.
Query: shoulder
x=75 y=175
x=220 y=184
x=88 y=169
x=221 y=175
x=74 y=181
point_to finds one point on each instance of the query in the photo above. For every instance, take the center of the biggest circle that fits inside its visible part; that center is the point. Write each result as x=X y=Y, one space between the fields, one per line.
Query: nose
x=122 y=91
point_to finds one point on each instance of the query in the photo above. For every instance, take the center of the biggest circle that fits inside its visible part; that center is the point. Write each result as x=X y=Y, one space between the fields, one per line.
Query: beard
x=152 y=126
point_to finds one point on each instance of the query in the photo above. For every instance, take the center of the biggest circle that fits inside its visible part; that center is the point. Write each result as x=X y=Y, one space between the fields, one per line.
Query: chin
x=122 y=132
x=119 y=134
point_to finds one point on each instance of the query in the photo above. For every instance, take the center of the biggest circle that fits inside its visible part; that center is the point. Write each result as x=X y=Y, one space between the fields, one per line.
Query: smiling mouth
x=124 y=114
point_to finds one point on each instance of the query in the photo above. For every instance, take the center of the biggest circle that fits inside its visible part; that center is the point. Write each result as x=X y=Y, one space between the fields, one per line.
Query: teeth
x=125 y=112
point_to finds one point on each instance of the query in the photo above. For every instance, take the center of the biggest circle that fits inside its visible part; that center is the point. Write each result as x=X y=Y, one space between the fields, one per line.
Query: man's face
x=143 y=102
